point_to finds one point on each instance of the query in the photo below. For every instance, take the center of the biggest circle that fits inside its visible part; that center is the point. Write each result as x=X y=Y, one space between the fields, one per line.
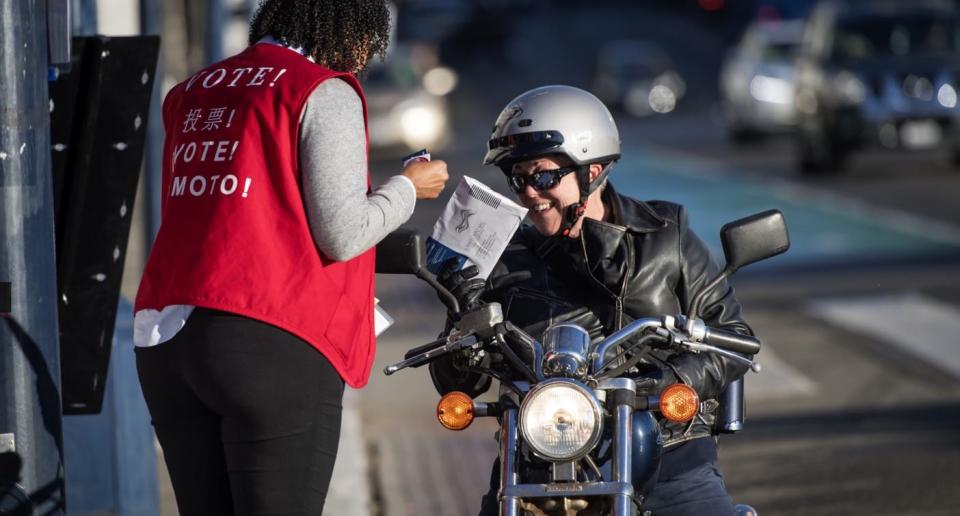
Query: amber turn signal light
x=455 y=410
x=679 y=403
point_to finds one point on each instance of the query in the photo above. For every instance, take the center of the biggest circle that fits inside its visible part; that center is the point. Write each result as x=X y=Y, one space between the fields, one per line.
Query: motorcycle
x=565 y=406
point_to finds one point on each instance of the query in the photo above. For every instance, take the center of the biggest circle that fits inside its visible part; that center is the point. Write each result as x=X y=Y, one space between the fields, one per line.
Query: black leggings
x=248 y=416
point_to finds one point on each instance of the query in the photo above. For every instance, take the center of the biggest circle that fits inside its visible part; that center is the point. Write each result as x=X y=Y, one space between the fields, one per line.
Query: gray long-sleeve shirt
x=344 y=219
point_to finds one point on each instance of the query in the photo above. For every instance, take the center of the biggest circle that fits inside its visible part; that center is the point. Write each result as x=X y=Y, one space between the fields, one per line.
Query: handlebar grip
x=730 y=341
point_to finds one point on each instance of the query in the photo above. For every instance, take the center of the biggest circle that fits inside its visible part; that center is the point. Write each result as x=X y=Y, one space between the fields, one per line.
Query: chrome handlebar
x=692 y=335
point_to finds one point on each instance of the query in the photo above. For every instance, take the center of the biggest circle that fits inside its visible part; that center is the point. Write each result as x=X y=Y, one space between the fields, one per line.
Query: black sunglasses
x=540 y=181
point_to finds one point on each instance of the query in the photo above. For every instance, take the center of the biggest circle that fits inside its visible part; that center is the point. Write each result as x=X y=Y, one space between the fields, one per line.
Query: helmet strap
x=575 y=212
x=601 y=177
x=571 y=215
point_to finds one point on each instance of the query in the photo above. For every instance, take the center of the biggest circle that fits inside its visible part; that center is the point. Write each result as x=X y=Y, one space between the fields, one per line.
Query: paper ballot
x=475 y=228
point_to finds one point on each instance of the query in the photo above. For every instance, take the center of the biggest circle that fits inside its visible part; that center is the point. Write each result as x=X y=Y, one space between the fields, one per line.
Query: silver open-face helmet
x=553 y=120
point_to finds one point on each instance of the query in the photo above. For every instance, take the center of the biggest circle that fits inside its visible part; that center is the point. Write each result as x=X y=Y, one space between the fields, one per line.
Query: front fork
x=509 y=505
x=623 y=457
x=621 y=392
x=622 y=500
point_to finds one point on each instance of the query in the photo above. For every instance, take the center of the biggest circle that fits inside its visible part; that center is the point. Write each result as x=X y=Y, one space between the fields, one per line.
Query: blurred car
x=756 y=80
x=877 y=74
x=462 y=31
x=407 y=106
x=637 y=77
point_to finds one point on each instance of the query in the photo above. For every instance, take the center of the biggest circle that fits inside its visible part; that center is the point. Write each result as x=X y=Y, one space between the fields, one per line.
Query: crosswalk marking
x=924 y=327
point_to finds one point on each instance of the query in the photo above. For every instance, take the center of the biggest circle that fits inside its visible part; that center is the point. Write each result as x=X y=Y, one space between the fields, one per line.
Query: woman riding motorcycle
x=600 y=259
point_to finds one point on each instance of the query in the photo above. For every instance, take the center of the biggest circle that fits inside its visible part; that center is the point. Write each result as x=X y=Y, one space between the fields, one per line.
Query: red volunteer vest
x=234 y=233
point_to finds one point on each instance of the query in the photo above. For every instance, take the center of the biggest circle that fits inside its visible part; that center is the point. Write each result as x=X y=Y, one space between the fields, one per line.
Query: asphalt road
x=841 y=421
x=858 y=408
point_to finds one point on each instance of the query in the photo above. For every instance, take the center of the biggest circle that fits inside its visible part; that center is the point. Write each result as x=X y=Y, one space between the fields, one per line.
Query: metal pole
x=31 y=453
x=215 y=21
x=151 y=23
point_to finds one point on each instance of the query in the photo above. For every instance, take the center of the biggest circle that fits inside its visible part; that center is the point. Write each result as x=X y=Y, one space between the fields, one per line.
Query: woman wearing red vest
x=256 y=303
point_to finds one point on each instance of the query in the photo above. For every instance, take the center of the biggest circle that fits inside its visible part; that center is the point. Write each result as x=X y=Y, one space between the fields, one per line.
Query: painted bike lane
x=825 y=228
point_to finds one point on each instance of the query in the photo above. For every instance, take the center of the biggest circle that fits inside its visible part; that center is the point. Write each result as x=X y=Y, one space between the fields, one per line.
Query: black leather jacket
x=644 y=262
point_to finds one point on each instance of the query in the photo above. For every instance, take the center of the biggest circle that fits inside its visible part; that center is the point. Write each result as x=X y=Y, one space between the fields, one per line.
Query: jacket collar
x=636 y=216
x=626 y=215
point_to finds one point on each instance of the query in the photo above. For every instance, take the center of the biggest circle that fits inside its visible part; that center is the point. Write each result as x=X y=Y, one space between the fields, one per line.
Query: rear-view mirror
x=754 y=238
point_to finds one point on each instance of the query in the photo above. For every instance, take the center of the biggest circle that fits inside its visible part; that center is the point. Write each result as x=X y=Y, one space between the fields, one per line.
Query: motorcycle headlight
x=560 y=420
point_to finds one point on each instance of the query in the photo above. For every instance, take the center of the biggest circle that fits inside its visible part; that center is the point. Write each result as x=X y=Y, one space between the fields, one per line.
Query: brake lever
x=426 y=347
x=699 y=346
x=431 y=355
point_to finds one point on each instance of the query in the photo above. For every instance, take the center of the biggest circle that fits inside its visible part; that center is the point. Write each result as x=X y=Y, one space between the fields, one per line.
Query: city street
x=852 y=413
x=857 y=408
x=848 y=123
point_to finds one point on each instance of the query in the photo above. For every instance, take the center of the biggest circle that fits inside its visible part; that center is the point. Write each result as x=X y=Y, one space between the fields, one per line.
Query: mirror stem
x=448 y=298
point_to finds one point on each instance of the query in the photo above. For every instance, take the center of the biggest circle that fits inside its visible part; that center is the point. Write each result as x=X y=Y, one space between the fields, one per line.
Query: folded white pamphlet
x=475 y=228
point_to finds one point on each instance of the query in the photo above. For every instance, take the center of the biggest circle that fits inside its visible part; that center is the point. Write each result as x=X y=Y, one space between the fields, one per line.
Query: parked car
x=757 y=82
x=877 y=74
x=407 y=100
x=637 y=77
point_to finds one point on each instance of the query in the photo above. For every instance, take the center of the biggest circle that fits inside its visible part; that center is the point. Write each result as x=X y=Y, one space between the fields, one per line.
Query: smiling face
x=547 y=206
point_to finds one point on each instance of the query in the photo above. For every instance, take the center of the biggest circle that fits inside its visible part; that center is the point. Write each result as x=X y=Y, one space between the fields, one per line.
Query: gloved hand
x=463 y=284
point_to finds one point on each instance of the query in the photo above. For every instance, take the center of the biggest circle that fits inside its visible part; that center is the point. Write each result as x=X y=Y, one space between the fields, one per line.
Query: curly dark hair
x=340 y=34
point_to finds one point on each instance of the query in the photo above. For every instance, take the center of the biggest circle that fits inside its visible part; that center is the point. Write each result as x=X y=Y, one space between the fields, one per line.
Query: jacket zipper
x=627 y=271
